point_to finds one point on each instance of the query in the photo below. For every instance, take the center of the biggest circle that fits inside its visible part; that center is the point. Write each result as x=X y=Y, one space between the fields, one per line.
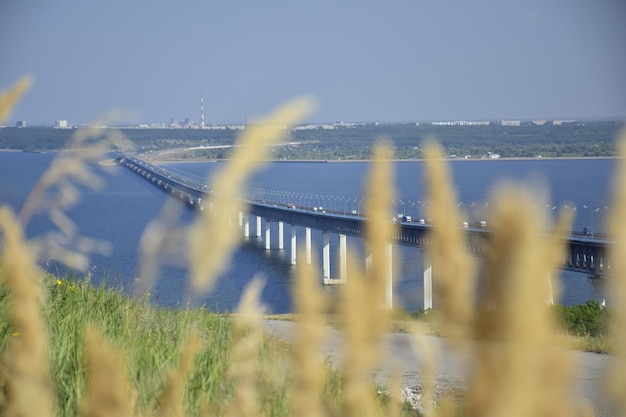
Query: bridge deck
x=585 y=253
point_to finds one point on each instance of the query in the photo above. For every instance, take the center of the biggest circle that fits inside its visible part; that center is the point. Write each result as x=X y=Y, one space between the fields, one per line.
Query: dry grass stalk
x=28 y=375
x=171 y=399
x=57 y=190
x=162 y=241
x=244 y=361
x=109 y=392
x=70 y=168
x=363 y=333
x=211 y=237
x=8 y=98
x=379 y=231
x=310 y=303
x=362 y=304
x=617 y=281
x=454 y=283
x=517 y=370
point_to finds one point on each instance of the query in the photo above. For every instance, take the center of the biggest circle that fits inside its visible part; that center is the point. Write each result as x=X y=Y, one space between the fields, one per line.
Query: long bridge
x=585 y=253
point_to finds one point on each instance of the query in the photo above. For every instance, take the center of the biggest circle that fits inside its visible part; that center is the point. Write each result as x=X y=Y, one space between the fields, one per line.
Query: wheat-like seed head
x=617 y=281
x=517 y=370
x=359 y=304
x=58 y=190
x=244 y=361
x=8 y=98
x=171 y=399
x=211 y=237
x=379 y=230
x=162 y=240
x=28 y=376
x=309 y=303
x=362 y=304
x=109 y=393
x=454 y=283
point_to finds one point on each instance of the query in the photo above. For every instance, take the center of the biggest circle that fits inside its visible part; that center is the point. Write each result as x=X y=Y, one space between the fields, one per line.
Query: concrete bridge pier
x=246 y=227
x=294 y=247
x=281 y=237
x=267 y=235
x=428 y=281
x=389 y=276
x=258 y=226
x=343 y=260
x=281 y=240
x=325 y=256
x=343 y=253
x=307 y=231
x=388 y=272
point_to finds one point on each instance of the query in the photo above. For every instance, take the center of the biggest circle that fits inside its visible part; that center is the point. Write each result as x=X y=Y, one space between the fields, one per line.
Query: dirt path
x=451 y=367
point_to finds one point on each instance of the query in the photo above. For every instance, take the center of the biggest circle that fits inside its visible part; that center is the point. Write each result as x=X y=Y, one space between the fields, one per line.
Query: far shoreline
x=166 y=160
x=158 y=160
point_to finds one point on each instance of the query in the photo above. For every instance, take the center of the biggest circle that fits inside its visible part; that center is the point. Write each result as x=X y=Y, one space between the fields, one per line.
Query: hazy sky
x=362 y=60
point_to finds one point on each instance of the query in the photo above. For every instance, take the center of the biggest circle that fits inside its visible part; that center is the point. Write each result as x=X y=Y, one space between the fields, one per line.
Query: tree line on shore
x=574 y=139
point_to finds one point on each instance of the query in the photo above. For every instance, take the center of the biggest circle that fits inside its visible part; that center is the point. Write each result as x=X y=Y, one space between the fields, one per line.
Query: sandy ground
x=451 y=367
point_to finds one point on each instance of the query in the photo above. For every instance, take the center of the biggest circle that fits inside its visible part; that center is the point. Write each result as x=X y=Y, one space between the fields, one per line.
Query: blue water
x=119 y=212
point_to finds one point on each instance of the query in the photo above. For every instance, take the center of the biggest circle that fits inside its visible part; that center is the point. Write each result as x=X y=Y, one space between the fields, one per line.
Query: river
x=119 y=212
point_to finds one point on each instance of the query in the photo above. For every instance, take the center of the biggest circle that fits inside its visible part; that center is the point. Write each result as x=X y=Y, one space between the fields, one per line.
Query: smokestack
x=201 y=111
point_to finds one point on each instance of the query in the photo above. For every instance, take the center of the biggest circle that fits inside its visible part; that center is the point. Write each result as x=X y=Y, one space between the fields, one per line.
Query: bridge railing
x=586 y=252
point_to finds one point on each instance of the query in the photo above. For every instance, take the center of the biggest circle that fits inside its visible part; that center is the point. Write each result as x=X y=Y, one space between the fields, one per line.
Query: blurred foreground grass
x=151 y=338
x=70 y=349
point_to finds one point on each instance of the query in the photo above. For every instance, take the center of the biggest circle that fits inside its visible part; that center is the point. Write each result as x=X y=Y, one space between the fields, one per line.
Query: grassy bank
x=151 y=342
x=584 y=327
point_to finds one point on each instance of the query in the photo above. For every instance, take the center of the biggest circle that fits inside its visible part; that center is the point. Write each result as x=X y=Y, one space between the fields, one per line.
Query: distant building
x=461 y=123
x=60 y=124
x=490 y=155
x=314 y=127
x=510 y=123
x=20 y=123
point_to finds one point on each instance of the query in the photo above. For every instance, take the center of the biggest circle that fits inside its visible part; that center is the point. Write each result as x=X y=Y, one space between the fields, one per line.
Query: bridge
x=585 y=253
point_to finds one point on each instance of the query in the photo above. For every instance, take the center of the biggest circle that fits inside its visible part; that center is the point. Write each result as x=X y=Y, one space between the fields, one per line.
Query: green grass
x=151 y=339
x=589 y=319
x=582 y=327
x=586 y=326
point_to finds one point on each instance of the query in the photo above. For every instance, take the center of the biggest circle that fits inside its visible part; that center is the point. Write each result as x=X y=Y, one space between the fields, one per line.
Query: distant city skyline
x=362 y=61
x=191 y=124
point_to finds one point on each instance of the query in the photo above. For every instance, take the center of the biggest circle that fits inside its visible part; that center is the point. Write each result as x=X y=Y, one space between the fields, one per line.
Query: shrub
x=589 y=319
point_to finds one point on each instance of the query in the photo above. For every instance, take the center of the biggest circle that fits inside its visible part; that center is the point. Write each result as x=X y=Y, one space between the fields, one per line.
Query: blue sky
x=366 y=61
